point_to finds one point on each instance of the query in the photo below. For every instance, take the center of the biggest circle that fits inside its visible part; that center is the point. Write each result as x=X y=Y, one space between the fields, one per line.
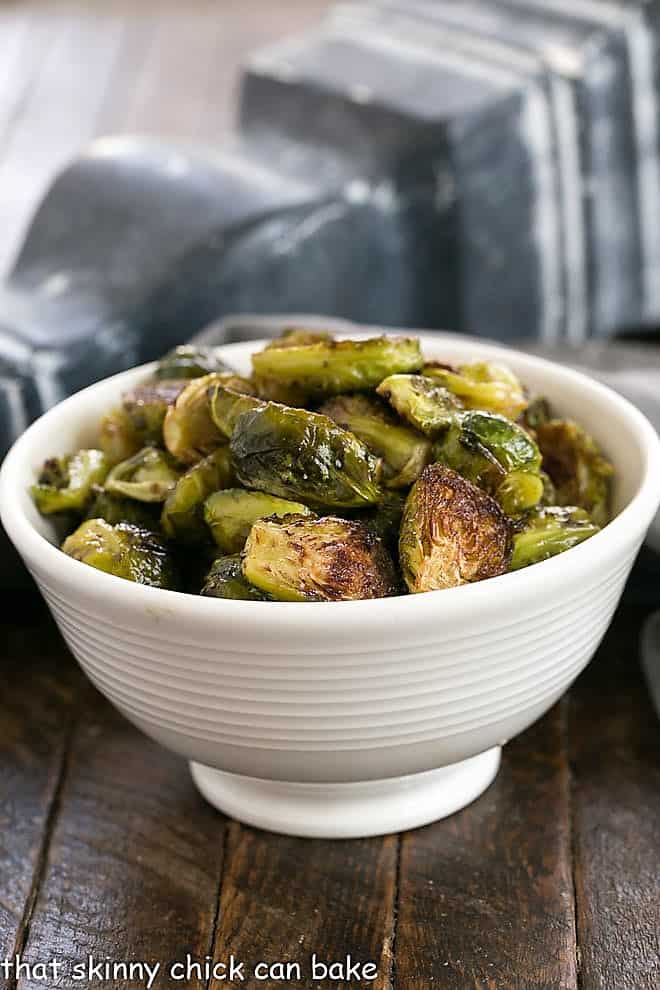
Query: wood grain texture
x=615 y=755
x=41 y=687
x=284 y=898
x=486 y=897
x=134 y=863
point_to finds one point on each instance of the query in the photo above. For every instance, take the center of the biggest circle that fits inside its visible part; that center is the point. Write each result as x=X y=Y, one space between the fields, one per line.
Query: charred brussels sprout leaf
x=404 y=451
x=328 y=559
x=183 y=512
x=124 y=550
x=114 y=509
x=230 y=514
x=146 y=406
x=452 y=533
x=330 y=367
x=225 y=580
x=148 y=476
x=496 y=454
x=118 y=438
x=188 y=430
x=550 y=531
x=428 y=406
x=482 y=385
x=579 y=472
x=190 y=361
x=301 y=455
x=66 y=483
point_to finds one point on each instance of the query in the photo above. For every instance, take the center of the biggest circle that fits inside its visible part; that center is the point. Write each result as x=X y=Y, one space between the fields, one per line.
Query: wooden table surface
x=550 y=880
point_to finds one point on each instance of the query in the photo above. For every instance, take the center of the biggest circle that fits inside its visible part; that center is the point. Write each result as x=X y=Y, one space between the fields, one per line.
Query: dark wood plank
x=615 y=756
x=134 y=864
x=284 y=899
x=486 y=897
x=39 y=702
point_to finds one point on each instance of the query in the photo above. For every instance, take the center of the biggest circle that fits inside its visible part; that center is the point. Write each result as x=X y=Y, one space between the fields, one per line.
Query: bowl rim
x=534 y=583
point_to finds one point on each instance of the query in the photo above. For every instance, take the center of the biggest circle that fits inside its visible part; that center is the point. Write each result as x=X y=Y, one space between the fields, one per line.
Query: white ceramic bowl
x=351 y=718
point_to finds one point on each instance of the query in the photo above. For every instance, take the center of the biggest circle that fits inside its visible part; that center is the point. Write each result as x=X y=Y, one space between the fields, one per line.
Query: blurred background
x=71 y=70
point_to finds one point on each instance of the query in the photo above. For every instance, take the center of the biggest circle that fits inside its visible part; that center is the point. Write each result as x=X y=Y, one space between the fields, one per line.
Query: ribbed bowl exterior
x=316 y=714
x=345 y=691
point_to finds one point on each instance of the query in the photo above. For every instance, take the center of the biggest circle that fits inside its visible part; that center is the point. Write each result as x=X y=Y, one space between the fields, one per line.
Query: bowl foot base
x=348 y=811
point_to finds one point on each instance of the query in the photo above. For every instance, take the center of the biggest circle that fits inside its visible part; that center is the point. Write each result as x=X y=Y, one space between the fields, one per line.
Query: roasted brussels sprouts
x=430 y=407
x=191 y=361
x=225 y=580
x=307 y=559
x=115 y=509
x=118 y=438
x=450 y=470
x=482 y=385
x=123 y=550
x=188 y=430
x=579 y=472
x=404 y=451
x=146 y=406
x=183 y=512
x=66 y=483
x=148 y=476
x=496 y=454
x=550 y=531
x=301 y=455
x=452 y=533
x=230 y=514
x=330 y=367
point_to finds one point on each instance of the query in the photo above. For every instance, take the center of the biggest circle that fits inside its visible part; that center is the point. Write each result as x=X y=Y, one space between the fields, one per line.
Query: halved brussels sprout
x=452 y=533
x=404 y=451
x=189 y=431
x=430 y=407
x=66 y=483
x=482 y=385
x=330 y=367
x=276 y=390
x=118 y=438
x=183 y=513
x=124 y=550
x=148 y=476
x=301 y=455
x=146 y=406
x=191 y=361
x=227 y=404
x=115 y=509
x=307 y=559
x=225 y=580
x=579 y=471
x=230 y=514
x=496 y=454
x=550 y=531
